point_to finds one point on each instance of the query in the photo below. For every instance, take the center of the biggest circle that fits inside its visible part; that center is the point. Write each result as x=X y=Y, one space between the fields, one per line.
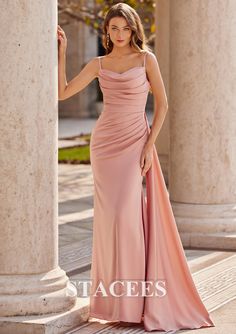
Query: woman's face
x=119 y=31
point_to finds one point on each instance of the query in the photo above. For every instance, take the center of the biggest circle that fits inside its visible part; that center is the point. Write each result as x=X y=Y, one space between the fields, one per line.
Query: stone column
x=31 y=282
x=203 y=121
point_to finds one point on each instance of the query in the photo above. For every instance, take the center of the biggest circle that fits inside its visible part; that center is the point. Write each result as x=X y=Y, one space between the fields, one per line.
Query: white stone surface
x=202 y=170
x=30 y=280
x=203 y=104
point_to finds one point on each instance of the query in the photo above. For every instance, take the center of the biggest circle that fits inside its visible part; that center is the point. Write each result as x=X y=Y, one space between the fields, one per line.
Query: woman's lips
x=120 y=40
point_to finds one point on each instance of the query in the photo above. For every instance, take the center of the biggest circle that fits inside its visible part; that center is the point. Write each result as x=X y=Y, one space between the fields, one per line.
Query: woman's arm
x=159 y=93
x=79 y=82
x=161 y=107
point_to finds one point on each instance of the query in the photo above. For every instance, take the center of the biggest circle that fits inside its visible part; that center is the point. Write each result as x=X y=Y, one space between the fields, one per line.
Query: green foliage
x=77 y=155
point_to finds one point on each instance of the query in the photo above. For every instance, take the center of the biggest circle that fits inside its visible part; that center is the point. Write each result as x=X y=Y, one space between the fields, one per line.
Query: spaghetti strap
x=144 y=62
x=100 y=66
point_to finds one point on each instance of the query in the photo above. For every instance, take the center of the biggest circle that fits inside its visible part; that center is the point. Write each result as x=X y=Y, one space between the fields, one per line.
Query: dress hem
x=101 y=317
x=173 y=330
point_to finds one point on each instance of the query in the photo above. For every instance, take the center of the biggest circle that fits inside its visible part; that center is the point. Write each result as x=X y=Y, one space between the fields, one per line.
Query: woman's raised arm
x=80 y=81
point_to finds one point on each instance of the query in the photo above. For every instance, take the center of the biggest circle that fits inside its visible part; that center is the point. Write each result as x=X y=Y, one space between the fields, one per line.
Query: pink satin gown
x=135 y=236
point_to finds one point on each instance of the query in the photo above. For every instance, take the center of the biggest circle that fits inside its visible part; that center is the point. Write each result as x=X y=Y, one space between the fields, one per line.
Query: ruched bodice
x=130 y=87
x=122 y=125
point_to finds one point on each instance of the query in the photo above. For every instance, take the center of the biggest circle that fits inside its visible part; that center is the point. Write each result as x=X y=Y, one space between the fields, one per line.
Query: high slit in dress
x=135 y=237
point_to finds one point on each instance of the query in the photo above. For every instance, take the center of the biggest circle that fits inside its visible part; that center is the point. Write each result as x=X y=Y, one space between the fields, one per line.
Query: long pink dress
x=135 y=236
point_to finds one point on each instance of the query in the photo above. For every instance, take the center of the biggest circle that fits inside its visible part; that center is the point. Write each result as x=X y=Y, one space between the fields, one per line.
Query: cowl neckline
x=129 y=70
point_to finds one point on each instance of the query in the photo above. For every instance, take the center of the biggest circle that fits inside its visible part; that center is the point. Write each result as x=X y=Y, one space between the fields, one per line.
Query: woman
x=139 y=270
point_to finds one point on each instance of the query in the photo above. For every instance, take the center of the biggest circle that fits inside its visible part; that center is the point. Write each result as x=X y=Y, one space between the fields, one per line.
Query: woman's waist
x=115 y=121
x=123 y=108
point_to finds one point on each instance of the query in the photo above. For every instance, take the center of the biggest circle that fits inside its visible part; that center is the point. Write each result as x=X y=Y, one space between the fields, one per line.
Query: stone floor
x=214 y=272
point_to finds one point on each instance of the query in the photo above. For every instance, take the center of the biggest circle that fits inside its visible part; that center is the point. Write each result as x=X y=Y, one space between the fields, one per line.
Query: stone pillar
x=203 y=121
x=31 y=282
x=162 y=53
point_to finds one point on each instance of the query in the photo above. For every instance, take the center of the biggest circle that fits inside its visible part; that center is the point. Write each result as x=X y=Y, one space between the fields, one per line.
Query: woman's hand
x=61 y=37
x=146 y=158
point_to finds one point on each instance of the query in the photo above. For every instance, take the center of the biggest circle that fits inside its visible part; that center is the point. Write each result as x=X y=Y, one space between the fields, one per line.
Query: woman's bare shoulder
x=94 y=61
x=149 y=55
x=93 y=64
x=151 y=58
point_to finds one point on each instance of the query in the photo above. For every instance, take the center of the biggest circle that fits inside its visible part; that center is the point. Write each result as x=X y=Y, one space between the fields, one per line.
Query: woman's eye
x=116 y=28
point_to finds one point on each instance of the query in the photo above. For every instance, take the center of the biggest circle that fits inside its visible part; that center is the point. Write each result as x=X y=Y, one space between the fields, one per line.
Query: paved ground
x=214 y=272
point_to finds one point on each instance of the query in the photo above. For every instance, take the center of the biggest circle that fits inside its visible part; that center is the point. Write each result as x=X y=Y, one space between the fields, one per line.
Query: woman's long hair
x=138 y=39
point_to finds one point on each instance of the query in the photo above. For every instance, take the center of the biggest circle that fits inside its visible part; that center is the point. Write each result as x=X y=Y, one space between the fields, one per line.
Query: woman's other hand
x=146 y=158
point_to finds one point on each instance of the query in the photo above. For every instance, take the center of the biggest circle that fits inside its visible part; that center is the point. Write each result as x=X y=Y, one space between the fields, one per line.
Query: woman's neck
x=121 y=52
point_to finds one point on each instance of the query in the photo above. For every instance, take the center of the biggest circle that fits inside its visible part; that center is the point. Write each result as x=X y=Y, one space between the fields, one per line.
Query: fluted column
x=203 y=121
x=31 y=282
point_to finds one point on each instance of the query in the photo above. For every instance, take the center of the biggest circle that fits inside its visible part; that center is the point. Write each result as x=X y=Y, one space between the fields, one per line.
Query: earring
x=108 y=40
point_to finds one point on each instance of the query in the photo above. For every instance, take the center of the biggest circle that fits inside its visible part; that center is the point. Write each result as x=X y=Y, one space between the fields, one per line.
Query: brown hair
x=138 y=38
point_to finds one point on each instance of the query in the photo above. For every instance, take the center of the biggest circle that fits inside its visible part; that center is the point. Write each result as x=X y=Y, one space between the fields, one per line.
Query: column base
x=210 y=226
x=47 y=324
x=43 y=293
